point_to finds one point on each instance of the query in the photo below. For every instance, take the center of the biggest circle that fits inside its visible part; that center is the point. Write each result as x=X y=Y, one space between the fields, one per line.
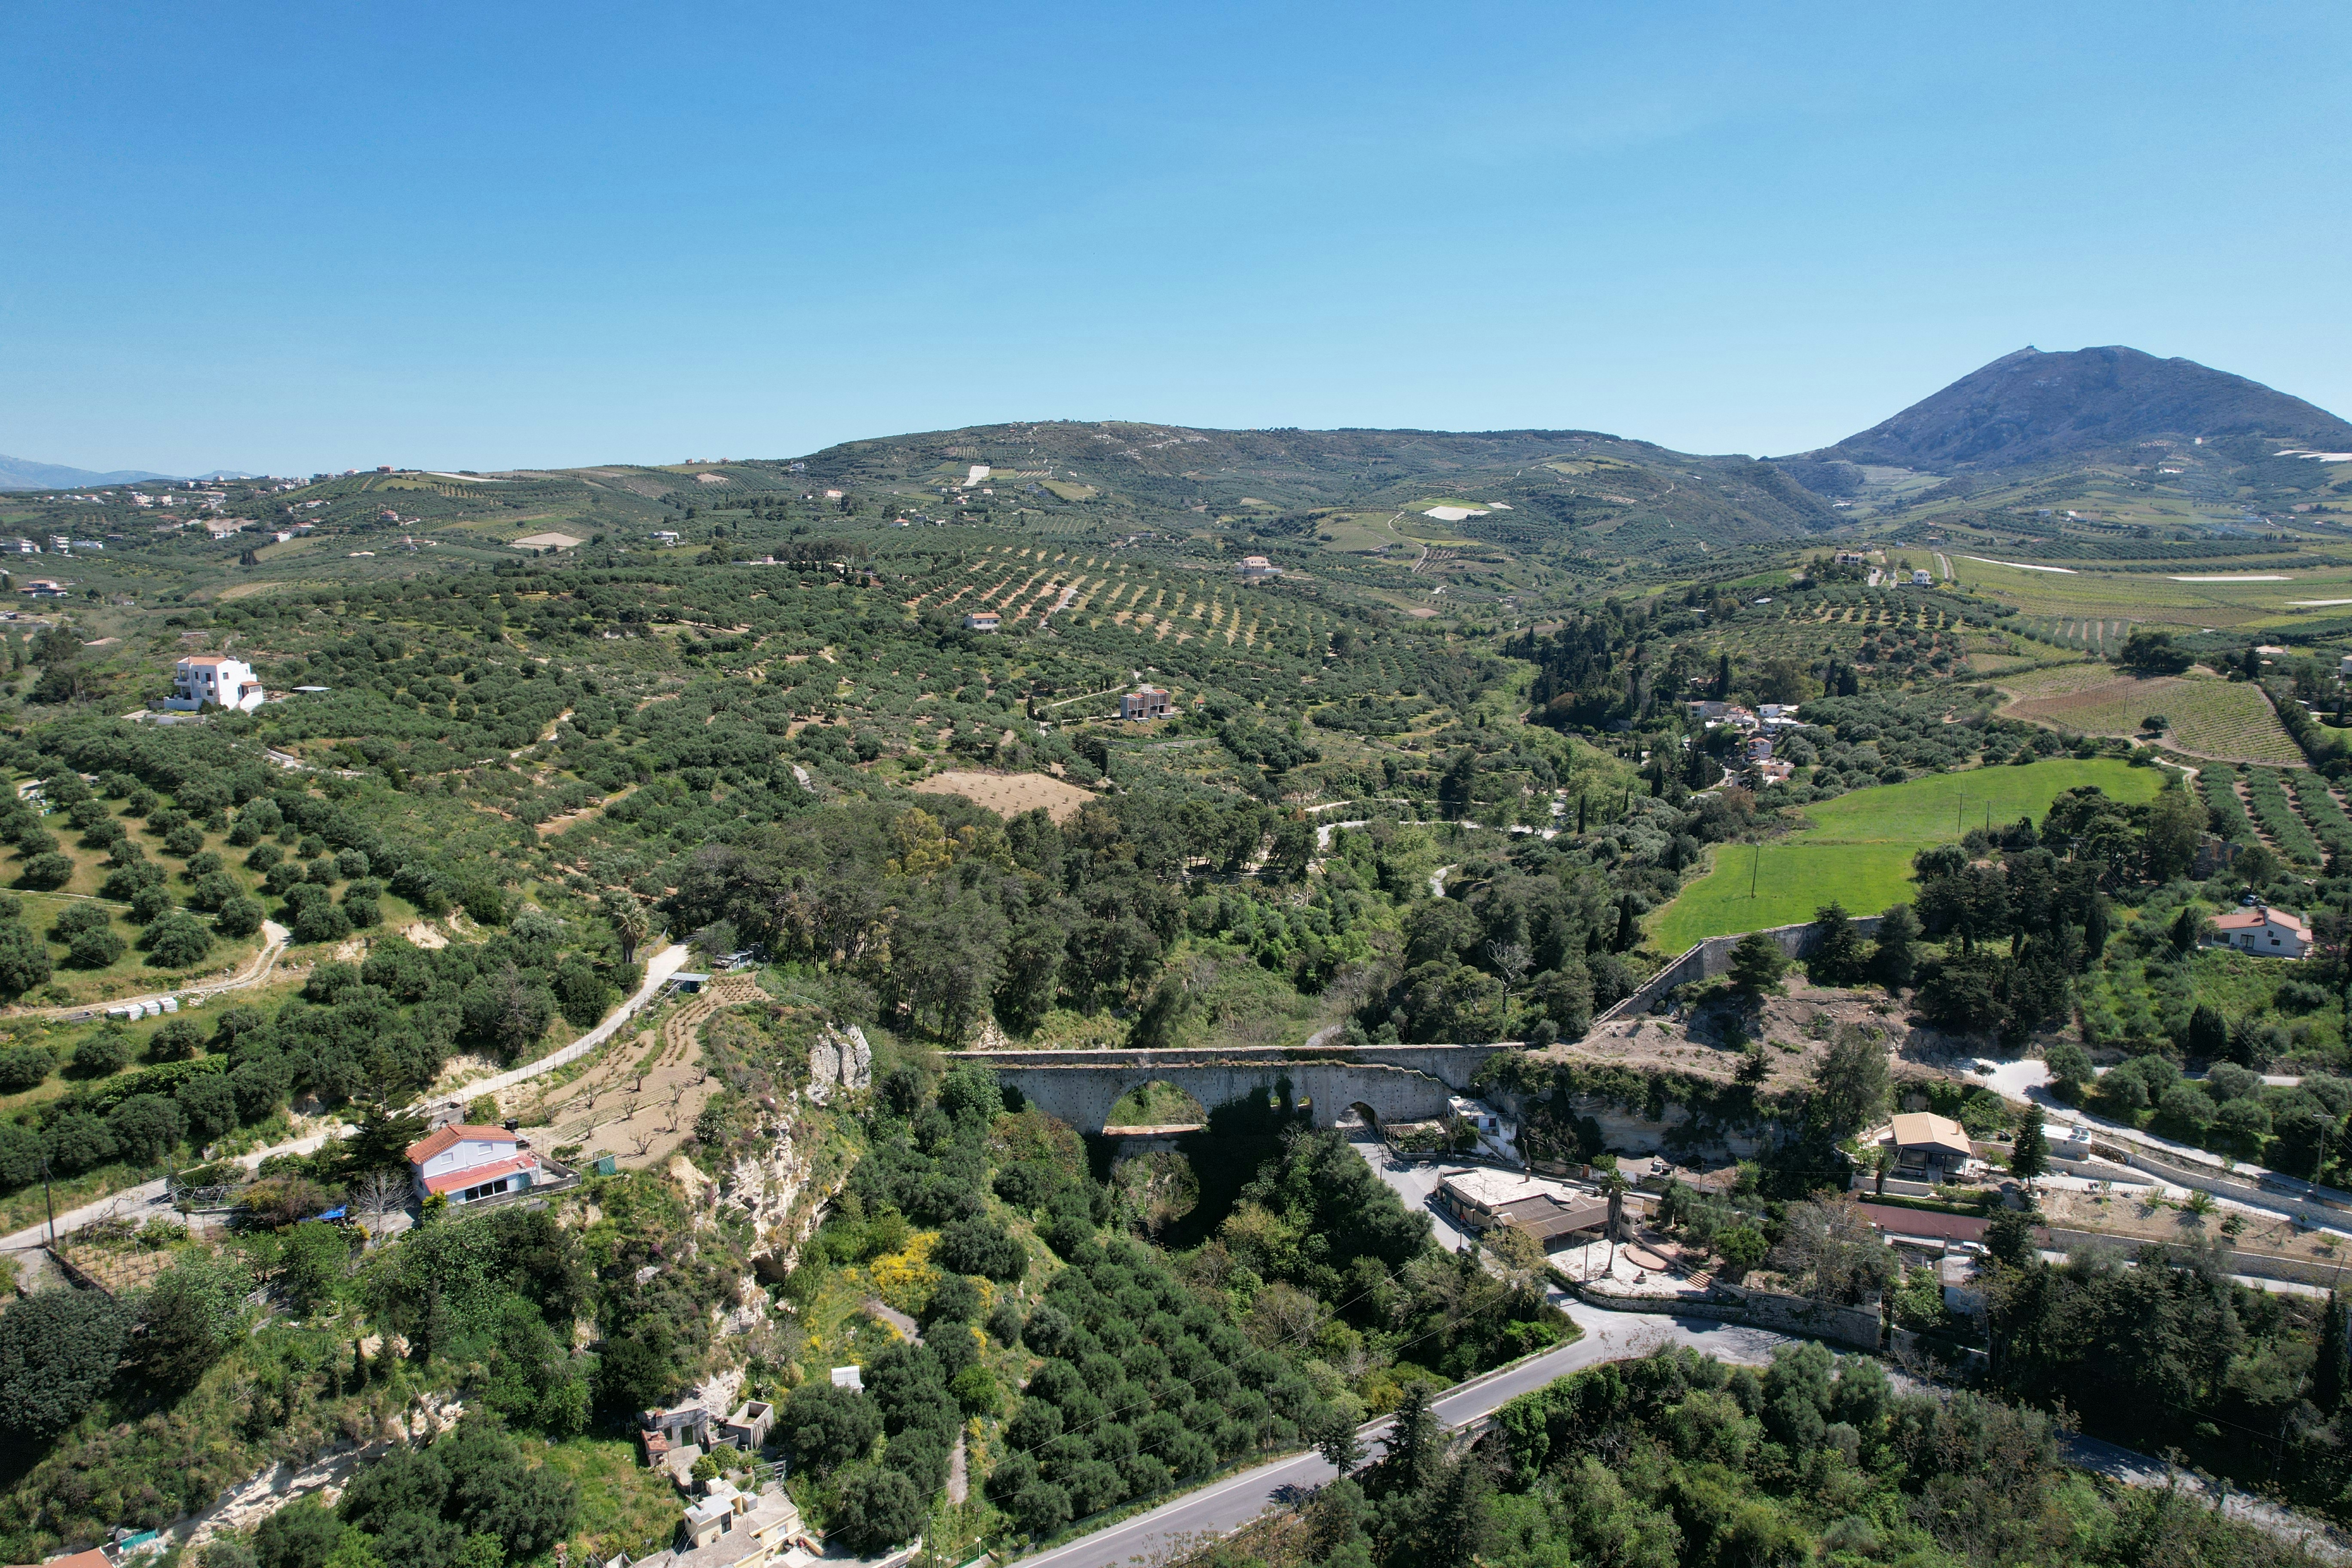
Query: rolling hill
x=1578 y=491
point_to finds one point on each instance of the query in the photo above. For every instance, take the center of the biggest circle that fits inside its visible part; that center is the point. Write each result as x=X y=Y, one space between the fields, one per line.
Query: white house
x=1922 y=578
x=2274 y=933
x=217 y=678
x=983 y=621
x=468 y=1164
x=1258 y=569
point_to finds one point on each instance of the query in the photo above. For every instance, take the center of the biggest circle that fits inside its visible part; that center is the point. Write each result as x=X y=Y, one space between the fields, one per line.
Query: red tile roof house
x=468 y=1163
x=1145 y=702
x=2274 y=933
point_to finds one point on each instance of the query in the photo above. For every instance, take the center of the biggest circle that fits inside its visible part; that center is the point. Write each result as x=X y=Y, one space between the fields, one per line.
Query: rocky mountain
x=2032 y=409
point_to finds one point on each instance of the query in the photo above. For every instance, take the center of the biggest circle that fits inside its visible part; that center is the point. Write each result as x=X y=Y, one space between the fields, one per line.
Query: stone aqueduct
x=1396 y=1083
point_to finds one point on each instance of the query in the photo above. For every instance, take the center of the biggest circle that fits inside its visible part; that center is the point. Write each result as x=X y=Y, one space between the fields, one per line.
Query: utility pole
x=50 y=1197
x=1754 y=862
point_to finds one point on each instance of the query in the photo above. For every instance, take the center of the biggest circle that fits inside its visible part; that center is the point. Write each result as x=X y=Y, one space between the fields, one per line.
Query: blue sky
x=304 y=236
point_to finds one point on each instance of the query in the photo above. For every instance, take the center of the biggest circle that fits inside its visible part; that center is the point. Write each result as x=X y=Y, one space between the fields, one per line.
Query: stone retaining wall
x=1710 y=959
x=2256 y=1265
x=1860 y=1327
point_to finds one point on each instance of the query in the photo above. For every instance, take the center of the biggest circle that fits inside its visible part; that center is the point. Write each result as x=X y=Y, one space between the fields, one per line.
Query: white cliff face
x=772 y=1187
x=840 y=1060
x=245 y=1505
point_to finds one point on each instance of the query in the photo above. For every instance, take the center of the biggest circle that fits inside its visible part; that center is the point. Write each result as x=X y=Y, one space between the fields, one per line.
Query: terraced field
x=2325 y=813
x=2266 y=798
x=2206 y=717
x=2218 y=782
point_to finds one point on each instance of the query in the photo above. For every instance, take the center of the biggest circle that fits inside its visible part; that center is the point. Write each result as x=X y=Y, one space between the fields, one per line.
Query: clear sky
x=301 y=237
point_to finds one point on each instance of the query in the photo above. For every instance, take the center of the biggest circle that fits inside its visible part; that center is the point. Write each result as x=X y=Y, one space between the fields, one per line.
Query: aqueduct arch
x=1394 y=1083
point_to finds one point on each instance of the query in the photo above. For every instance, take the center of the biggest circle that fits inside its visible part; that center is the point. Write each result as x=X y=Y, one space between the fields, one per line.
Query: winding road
x=1227 y=1505
x=274 y=938
x=148 y=1199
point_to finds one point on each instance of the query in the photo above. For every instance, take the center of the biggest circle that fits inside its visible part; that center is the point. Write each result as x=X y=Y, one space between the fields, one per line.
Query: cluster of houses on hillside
x=1760 y=725
x=725 y=1525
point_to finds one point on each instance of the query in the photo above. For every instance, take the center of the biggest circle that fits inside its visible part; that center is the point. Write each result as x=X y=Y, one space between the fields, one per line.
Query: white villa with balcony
x=217 y=678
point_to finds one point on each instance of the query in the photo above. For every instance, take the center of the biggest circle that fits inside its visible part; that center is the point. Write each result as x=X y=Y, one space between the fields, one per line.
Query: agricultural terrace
x=2183 y=593
x=2231 y=720
x=1908 y=633
x=1858 y=850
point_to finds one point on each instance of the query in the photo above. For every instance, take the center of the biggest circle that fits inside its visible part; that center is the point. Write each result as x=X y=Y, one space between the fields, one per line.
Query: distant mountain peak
x=2031 y=409
x=22 y=474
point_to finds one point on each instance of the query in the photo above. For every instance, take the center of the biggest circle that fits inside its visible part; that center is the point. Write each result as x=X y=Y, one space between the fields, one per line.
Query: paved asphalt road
x=1234 y=1502
x=1229 y=1504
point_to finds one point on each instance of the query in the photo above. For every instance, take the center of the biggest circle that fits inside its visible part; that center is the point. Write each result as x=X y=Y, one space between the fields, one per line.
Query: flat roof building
x=1479 y=1199
x=1145 y=702
x=214 y=678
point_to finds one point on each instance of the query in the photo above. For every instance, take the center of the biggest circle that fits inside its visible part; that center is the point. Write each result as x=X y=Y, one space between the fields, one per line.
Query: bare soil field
x=1010 y=795
x=1794 y=1029
x=2130 y=1219
x=640 y=1102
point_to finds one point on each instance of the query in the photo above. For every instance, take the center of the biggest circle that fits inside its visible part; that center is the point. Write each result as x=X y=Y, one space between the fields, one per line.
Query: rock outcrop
x=839 y=1059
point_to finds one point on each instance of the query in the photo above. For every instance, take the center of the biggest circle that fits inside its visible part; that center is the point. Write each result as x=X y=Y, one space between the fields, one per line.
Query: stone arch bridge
x=1396 y=1083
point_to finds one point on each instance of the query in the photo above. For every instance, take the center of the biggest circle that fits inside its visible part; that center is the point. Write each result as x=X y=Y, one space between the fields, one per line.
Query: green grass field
x=1859 y=849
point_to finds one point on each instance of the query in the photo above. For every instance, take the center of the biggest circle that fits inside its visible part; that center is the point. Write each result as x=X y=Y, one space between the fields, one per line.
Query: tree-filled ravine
x=1678 y=1458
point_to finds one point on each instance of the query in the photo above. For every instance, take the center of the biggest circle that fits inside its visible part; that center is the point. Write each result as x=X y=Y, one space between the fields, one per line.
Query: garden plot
x=640 y=1103
x=1010 y=795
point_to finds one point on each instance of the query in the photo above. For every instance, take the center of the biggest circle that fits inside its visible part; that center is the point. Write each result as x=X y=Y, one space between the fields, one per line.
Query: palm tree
x=630 y=923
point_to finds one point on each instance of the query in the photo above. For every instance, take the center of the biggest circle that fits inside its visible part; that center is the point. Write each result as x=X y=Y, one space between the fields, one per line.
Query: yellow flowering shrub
x=905 y=1279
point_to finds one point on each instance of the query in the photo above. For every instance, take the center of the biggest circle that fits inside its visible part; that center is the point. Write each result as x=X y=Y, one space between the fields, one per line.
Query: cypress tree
x=2208 y=1034
x=2029 y=1156
x=2329 y=1376
x=2098 y=925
